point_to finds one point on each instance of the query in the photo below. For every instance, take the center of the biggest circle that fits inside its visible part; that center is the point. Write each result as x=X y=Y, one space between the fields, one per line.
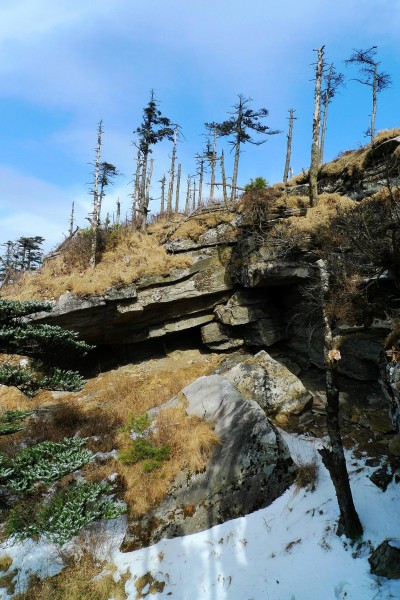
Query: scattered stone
x=385 y=560
x=382 y=477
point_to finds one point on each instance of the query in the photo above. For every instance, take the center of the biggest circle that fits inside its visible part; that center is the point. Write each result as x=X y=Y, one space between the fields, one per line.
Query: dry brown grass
x=349 y=161
x=191 y=441
x=193 y=228
x=319 y=216
x=129 y=257
x=85 y=580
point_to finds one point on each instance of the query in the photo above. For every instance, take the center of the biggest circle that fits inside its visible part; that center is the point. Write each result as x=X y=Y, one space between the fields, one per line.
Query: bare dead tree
x=200 y=172
x=178 y=186
x=162 y=207
x=377 y=81
x=315 y=146
x=95 y=215
x=72 y=219
x=188 y=193
x=334 y=458
x=224 y=192
x=194 y=194
x=136 y=188
x=171 y=176
x=145 y=204
x=333 y=80
x=118 y=215
x=289 y=145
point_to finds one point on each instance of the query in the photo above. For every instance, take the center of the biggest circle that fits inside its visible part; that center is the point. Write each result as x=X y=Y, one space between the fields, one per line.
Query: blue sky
x=65 y=65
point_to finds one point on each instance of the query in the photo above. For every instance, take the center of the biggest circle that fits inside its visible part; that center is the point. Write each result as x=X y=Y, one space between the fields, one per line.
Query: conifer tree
x=239 y=126
x=47 y=344
x=377 y=81
x=154 y=128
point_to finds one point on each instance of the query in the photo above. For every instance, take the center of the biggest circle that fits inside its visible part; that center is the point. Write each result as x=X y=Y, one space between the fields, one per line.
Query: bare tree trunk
x=326 y=105
x=201 y=175
x=224 y=192
x=374 y=96
x=194 y=195
x=214 y=156
x=136 y=190
x=187 y=204
x=142 y=212
x=162 y=208
x=178 y=186
x=235 y=171
x=289 y=145
x=71 y=220
x=96 y=207
x=334 y=459
x=118 y=217
x=315 y=148
x=147 y=197
x=171 y=178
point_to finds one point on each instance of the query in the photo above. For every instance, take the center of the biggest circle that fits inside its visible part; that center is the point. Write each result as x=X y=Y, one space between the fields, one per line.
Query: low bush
x=46 y=462
x=63 y=516
x=143 y=449
x=10 y=421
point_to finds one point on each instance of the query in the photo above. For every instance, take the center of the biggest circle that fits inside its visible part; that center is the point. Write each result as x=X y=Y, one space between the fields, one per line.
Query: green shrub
x=30 y=383
x=143 y=449
x=64 y=515
x=259 y=183
x=138 y=424
x=46 y=462
x=10 y=421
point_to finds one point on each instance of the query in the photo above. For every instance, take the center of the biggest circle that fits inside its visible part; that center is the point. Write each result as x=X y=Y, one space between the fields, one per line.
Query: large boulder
x=270 y=383
x=249 y=468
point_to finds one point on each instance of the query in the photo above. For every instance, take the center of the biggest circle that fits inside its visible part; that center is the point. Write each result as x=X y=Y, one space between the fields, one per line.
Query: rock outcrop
x=249 y=468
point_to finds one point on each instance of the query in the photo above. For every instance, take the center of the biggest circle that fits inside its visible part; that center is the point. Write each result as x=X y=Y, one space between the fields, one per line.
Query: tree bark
x=147 y=197
x=171 y=178
x=118 y=216
x=374 y=98
x=187 y=204
x=162 y=208
x=178 y=186
x=224 y=192
x=334 y=458
x=315 y=147
x=201 y=174
x=213 y=159
x=136 y=190
x=289 y=145
x=71 y=220
x=96 y=207
x=324 y=121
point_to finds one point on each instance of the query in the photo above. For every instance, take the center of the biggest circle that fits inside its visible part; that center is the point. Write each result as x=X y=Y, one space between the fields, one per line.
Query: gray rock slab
x=249 y=468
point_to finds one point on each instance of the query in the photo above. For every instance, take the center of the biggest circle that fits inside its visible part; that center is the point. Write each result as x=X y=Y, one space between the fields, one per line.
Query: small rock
x=382 y=477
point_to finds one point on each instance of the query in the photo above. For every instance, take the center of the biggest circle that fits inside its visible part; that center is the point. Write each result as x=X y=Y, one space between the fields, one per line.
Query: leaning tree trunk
x=334 y=458
x=96 y=203
x=374 y=97
x=315 y=147
x=289 y=146
x=178 y=187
